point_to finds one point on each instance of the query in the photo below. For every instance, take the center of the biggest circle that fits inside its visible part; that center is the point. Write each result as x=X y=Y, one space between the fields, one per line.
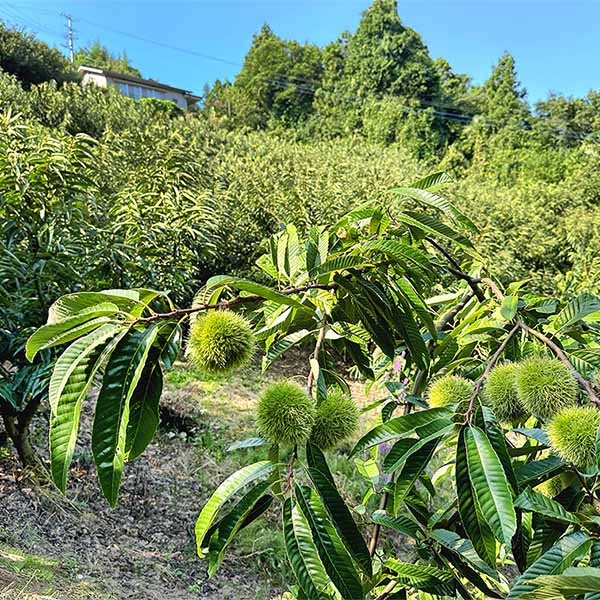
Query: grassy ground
x=76 y=547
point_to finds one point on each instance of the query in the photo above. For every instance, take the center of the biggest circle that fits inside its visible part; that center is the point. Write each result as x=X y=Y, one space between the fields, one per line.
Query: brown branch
x=290 y=469
x=458 y=272
x=449 y=317
x=488 y=368
x=585 y=384
x=389 y=588
x=310 y=380
x=229 y=303
x=495 y=289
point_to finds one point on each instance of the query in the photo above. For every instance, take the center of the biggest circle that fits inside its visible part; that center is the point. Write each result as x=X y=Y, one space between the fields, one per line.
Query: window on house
x=135 y=91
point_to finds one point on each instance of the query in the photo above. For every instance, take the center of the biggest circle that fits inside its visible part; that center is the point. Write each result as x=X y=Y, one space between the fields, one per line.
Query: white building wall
x=135 y=90
x=94 y=78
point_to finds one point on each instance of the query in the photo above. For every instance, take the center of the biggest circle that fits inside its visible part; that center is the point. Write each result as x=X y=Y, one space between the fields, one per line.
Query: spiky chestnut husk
x=220 y=341
x=286 y=413
x=449 y=389
x=336 y=420
x=572 y=434
x=545 y=386
x=501 y=395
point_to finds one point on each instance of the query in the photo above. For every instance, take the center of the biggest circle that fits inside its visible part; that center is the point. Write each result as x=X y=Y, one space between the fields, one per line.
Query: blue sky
x=555 y=42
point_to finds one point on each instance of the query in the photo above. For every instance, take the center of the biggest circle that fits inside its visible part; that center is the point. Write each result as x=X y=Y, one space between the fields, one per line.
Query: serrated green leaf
x=400 y=453
x=562 y=555
x=401 y=427
x=226 y=529
x=490 y=485
x=574 y=311
x=69 y=329
x=400 y=523
x=223 y=493
x=303 y=555
x=69 y=305
x=574 y=581
x=339 y=263
x=265 y=292
x=109 y=430
x=422 y=577
x=321 y=476
x=594 y=562
x=412 y=470
x=475 y=526
x=537 y=471
x=532 y=501
x=144 y=407
x=71 y=379
x=333 y=554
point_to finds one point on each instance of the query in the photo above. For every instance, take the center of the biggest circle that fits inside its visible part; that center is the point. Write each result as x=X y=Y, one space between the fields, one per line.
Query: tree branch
x=310 y=380
x=488 y=368
x=229 y=303
x=458 y=272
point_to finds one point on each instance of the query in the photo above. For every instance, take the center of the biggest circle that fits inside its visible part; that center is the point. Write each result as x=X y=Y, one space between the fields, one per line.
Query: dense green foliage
x=31 y=60
x=100 y=56
x=285 y=181
x=357 y=290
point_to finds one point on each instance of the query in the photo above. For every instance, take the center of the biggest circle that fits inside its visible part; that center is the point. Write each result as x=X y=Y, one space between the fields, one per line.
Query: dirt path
x=144 y=549
x=77 y=547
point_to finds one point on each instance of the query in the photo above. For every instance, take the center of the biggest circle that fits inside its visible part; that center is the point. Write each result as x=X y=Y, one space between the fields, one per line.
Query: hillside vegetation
x=363 y=204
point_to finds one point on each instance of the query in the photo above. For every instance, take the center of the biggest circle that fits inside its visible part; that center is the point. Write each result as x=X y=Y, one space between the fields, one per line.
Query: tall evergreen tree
x=384 y=57
x=503 y=97
x=278 y=80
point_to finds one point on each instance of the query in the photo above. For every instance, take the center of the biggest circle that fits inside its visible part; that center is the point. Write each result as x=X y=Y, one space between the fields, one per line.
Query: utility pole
x=70 y=36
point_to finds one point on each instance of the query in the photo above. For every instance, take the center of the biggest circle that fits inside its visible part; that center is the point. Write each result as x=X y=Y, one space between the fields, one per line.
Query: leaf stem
x=310 y=380
x=488 y=368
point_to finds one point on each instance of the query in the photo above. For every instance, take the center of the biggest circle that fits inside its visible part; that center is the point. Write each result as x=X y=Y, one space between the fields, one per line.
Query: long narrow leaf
x=109 y=431
x=223 y=493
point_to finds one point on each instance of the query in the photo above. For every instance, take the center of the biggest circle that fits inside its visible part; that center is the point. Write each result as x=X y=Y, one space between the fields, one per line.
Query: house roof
x=132 y=78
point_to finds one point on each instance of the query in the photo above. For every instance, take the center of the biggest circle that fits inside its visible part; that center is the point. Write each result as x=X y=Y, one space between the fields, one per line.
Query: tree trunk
x=17 y=429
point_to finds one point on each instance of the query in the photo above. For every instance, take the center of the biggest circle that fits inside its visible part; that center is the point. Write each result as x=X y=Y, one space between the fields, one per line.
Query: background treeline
x=97 y=190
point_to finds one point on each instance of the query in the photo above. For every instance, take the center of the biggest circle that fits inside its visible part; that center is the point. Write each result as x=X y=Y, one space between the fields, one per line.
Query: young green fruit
x=501 y=395
x=572 y=434
x=286 y=413
x=336 y=420
x=545 y=386
x=449 y=389
x=220 y=341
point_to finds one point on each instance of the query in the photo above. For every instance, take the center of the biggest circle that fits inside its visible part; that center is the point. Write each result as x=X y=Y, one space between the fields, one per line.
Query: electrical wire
x=302 y=85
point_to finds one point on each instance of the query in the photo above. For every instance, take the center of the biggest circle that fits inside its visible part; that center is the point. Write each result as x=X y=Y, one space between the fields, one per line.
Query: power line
x=15 y=12
x=161 y=44
x=302 y=85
